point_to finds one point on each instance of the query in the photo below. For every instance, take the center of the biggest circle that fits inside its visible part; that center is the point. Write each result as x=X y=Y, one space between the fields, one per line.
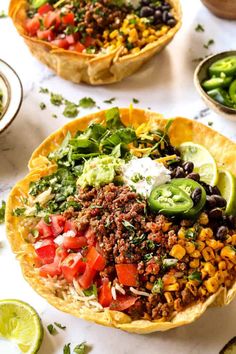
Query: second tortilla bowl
x=95 y=69
x=192 y=265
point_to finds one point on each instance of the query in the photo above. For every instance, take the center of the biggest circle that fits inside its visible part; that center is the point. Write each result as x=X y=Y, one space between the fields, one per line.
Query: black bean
x=158 y=15
x=179 y=172
x=214 y=190
x=188 y=166
x=221 y=233
x=210 y=202
x=146 y=11
x=193 y=175
x=196 y=195
x=215 y=213
x=220 y=201
x=145 y=2
x=231 y=221
x=165 y=16
x=172 y=22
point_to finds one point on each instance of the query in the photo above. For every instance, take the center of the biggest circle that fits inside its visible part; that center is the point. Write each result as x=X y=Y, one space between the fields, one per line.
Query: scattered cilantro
x=35 y=233
x=42 y=105
x=71 y=110
x=52 y=330
x=2 y=212
x=54 y=115
x=210 y=124
x=110 y=101
x=56 y=99
x=87 y=102
x=80 y=348
x=195 y=276
x=209 y=43
x=135 y=100
x=18 y=211
x=137 y=177
x=191 y=234
x=147 y=257
x=128 y=225
x=157 y=287
x=66 y=349
x=133 y=21
x=59 y=325
x=91 y=291
x=138 y=239
x=3 y=14
x=199 y=28
x=150 y=245
x=43 y=90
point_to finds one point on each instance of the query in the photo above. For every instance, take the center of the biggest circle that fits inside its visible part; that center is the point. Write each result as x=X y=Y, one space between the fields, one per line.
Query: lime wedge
x=21 y=324
x=227 y=186
x=204 y=163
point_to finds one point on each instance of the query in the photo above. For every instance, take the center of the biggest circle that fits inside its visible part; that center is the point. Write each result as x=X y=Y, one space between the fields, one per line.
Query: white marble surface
x=166 y=85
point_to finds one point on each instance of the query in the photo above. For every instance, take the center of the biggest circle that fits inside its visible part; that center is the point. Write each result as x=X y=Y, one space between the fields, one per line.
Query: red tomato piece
x=52 y=18
x=72 y=265
x=32 y=25
x=44 y=9
x=74 y=242
x=68 y=19
x=104 y=295
x=61 y=43
x=127 y=274
x=57 y=222
x=123 y=302
x=79 y=47
x=95 y=260
x=46 y=251
x=70 y=226
x=72 y=38
x=47 y=34
x=91 y=237
x=89 y=41
x=86 y=279
x=44 y=229
x=51 y=269
x=61 y=254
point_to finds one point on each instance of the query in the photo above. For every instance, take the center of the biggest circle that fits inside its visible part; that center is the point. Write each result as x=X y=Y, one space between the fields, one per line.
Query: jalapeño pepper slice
x=226 y=65
x=188 y=186
x=232 y=91
x=216 y=82
x=169 y=200
x=221 y=96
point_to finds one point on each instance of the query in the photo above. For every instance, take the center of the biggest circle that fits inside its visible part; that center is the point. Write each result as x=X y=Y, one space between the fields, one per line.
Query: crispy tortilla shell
x=181 y=130
x=90 y=68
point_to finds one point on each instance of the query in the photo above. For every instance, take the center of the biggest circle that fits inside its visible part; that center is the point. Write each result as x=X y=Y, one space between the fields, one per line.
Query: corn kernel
x=178 y=252
x=214 y=244
x=148 y=285
x=210 y=269
x=222 y=265
x=203 y=219
x=219 y=275
x=194 y=263
x=190 y=247
x=135 y=50
x=169 y=279
x=211 y=285
x=218 y=258
x=233 y=240
x=172 y=287
x=192 y=287
x=146 y=33
x=208 y=253
x=205 y=234
x=200 y=245
x=168 y=297
x=204 y=273
x=113 y=34
x=228 y=253
x=181 y=233
x=195 y=254
x=166 y=226
x=151 y=38
x=202 y=292
x=230 y=265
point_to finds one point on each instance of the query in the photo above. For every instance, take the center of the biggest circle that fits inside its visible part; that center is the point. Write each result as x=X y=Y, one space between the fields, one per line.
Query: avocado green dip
x=99 y=171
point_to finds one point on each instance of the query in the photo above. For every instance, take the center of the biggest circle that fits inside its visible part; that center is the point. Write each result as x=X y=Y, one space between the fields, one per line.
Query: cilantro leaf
x=52 y=330
x=66 y=349
x=56 y=99
x=2 y=212
x=70 y=110
x=3 y=14
x=113 y=118
x=209 y=43
x=199 y=28
x=59 y=325
x=158 y=286
x=43 y=90
x=110 y=101
x=195 y=276
x=135 y=100
x=87 y=102
x=91 y=291
x=42 y=106
x=80 y=348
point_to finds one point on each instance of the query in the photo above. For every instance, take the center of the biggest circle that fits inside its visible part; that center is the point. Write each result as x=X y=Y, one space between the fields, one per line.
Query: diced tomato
x=57 y=222
x=44 y=229
x=68 y=19
x=122 y=302
x=72 y=265
x=95 y=259
x=52 y=18
x=61 y=254
x=49 y=35
x=104 y=295
x=46 y=251
x=32 y=25
x=70 y=226
x=44 y=9
x=74 y=242
x=86 y=279
x=51 y=269
x=91 y=237
x=127 y=274
x=61 y=43
x=79 y=47
x=72 y=38
x=88 y=41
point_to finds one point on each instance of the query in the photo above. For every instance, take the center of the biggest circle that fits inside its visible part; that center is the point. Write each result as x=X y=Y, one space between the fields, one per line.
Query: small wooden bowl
x=201 y=74
x=222 y=8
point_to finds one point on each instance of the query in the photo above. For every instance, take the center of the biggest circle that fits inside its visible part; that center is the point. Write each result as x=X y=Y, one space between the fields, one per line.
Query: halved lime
x=20 y=323
x=227 y=186
x=204 y=163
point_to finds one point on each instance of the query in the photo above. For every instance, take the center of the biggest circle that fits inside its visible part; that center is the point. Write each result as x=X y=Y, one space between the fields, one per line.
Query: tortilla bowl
x=181 y=130
x=90 y=68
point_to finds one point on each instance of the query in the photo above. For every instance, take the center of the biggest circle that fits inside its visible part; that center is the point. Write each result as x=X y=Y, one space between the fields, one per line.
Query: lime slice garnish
x=227 y=186
x=204 y=163
x=20 y=323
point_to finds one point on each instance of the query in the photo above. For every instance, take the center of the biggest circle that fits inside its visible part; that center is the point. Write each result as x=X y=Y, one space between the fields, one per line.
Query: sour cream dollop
x=144 y=174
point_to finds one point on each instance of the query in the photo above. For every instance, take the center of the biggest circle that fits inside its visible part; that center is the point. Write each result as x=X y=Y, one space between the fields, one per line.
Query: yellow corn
x=205 y=234
x=202 y=292
x=192 y=287
x=220 y=276
x=195 y=254
x=166 y=226
x=178 y=252
x=211 y=285
x=133 y=35
x=208 y=254
x=228 y=253
x=169 y=279
x=203 y=219
x=145 y=33
x=200 y=245
x=181 y=233
x=172 y=287
x=210 y=269
x=135 y=50
x=214 y=244
x=168 y=297
x=233 y=240
x=230 y=265
x=114 y=34
x=194 y=263
x=190 y=247
x=222 y=265
x=151 y=38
